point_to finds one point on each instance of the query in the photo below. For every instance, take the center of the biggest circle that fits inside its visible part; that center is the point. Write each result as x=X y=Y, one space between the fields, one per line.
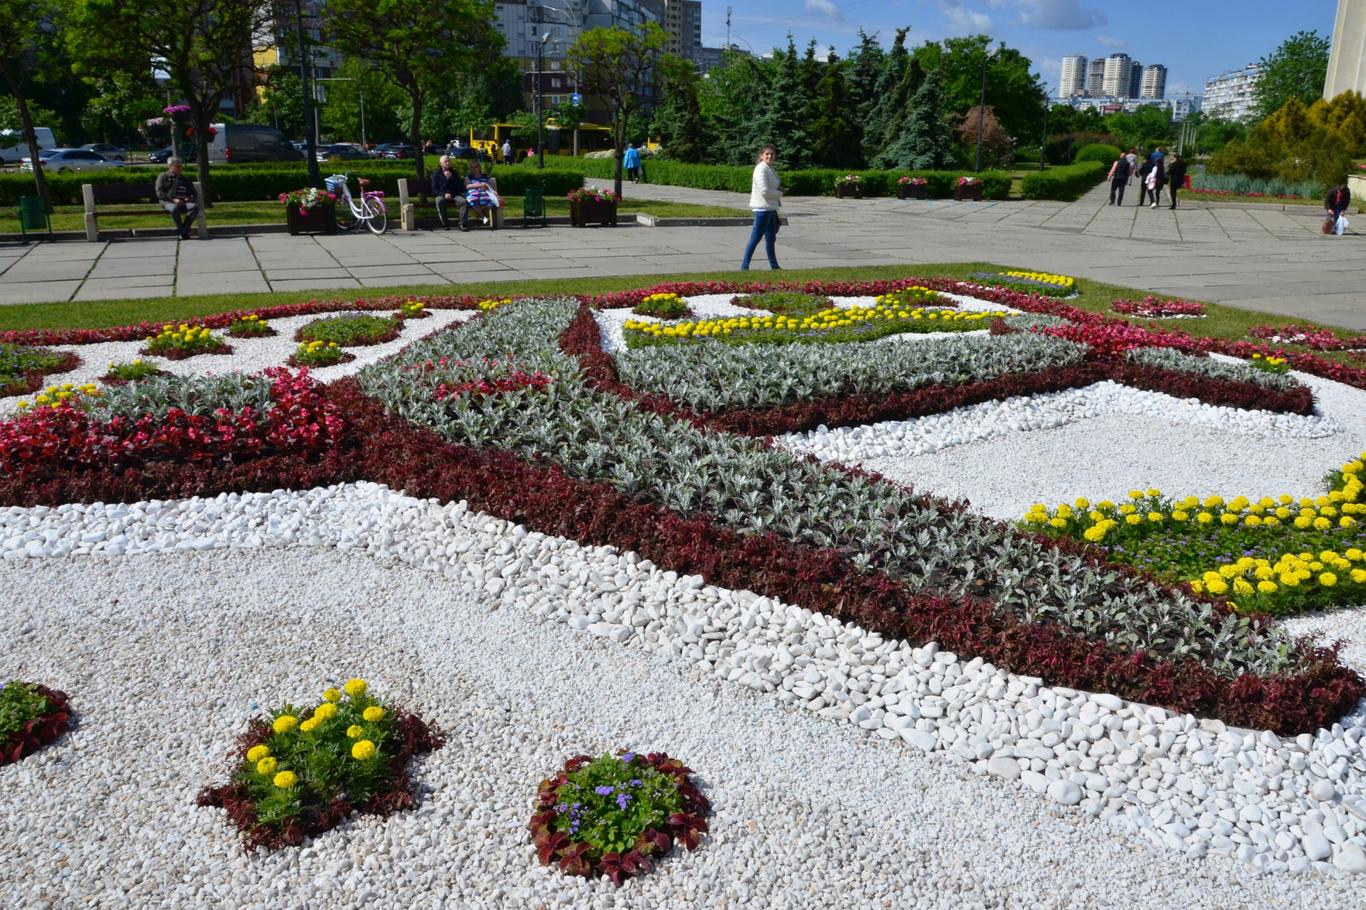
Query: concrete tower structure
x=1154 y=81
x=1347 y=60
x=1073 y=79
x=1116 y=76
x=1095 y=78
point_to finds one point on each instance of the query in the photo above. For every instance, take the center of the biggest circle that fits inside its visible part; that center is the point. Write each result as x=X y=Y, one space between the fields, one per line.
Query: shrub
x=1098 y=151
x=351 y=331
x=613 y=816
x=1064 y=183
x=298 y=776
x=31 y=716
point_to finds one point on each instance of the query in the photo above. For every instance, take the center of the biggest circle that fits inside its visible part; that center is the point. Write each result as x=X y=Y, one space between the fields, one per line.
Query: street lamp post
x=540 y=102
x=1043 y=137
x=310 y=138
x=982 y=110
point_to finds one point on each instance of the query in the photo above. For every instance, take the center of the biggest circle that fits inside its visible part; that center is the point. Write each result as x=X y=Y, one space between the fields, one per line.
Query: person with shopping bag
x=1335 y=205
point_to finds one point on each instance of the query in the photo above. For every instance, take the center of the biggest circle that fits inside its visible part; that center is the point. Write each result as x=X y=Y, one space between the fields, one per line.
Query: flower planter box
x=589 y=211
x=912 y=191
x=968 y=191
x=321 y=219
x=850 y=191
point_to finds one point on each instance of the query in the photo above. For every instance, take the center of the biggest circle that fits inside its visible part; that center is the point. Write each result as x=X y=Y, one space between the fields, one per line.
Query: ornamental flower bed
x=298 y=776
x=307 y=199
x=1309 y=336
x=351 y=331
x=185 y=340
x=850 y=186
x=250 y=326
x=1158 y=308
x=22 y=368
x=615 y=816
x=663 y=306
x=1045 y=283
x=319 y=354
x=412 y=309
x=134 y=370
x=56 y=396
x=784 y=303
x=31 y=716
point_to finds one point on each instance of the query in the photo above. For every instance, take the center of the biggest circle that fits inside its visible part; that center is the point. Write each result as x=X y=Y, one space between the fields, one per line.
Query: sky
x=1195 y=39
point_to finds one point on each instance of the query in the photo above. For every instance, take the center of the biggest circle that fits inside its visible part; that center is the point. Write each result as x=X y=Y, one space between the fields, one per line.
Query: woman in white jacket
x=765 y=197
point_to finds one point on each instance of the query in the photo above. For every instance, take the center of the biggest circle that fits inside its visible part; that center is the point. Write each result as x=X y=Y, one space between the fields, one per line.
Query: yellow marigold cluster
x=1062 y=281
x=315 y=348
x=494 y=303
x=666 y=298
x=825 y=321
x=1248 y=579
x=54 y=396
x=252 y=317
x=413 y=307
x=1270 y=360
x=915 y=295
x=363 y=750
x=185 y=335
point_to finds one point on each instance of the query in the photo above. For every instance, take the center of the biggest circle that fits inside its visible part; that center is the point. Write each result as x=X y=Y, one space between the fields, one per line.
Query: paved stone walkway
x=1265 y=259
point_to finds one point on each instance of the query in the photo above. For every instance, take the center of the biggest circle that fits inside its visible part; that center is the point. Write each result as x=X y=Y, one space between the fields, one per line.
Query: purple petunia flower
x=603 y=791
x=622 y=800
x=628 y=758
x=637 y=782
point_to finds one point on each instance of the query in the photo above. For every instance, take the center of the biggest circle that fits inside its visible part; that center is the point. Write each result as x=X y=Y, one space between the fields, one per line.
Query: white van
x=239 y=142
x=13 y=147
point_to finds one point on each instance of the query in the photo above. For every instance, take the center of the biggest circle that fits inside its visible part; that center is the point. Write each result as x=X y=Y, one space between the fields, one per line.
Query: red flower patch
x=41 y=730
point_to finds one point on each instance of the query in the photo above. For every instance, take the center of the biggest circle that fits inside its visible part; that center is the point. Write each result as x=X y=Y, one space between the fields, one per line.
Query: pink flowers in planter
x=588 y=194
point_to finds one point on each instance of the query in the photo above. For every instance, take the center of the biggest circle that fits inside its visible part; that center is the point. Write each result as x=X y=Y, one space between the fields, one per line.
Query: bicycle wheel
x=378 y=216
x=346 y=217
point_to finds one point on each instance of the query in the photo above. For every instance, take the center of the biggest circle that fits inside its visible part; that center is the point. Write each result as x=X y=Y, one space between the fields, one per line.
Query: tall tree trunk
x=619 y=140
x=415 y=136
x=30 y=135
x=200 y=115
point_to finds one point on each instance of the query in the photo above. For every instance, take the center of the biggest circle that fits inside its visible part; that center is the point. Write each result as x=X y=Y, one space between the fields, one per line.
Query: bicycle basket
x=336 y=183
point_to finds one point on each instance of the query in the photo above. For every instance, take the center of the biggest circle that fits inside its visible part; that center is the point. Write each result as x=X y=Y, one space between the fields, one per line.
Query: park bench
x=408 y=206
x=128 y=193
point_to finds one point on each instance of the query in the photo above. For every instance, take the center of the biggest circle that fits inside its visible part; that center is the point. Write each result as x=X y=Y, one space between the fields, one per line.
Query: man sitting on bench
x=449 y=189
x=176 y=194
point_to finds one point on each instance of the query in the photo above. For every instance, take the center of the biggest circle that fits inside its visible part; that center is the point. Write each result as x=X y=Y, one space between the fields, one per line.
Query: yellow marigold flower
x=373 y=714
x=1127 y=509
x=1134 y=519
x=1252 y=521
x=1290 y=579
x=284 y=723
x=1218 y=586
x=286 y=779
x=1302 y=522
x=310 y=725
x=1105 y=504
x=1242 y=588
x=1197 y=587
x=1135 y=494
x=363 y=750
x=355 y=687
x=325 y=711
x=1328 y=579
x=1058 y=522
x=256 y=753
x=266 y=766
x=1154 y=492
x=355 y=731
x=1228 y=518
x=1212 y=502
x=1322 y=524
x=1155 y=516
x=1346 y=521
x=1359 y=576
x=1266 y=586
x=1204 y=518
x=1354 y=554
x=332 y=695
x=1095 y=533
x=1179 y=515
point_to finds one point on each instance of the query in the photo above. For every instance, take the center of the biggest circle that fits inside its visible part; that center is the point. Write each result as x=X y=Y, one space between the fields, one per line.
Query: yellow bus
x=589 y=137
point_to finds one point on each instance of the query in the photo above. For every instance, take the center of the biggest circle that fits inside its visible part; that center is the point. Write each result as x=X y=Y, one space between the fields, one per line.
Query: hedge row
x=1065 y=183
x=257 y=184
x=1098 y=151
x=809 y=182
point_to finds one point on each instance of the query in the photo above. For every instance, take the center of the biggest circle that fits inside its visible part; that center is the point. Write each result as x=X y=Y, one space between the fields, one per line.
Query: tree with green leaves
x=730 y=98
x=120 y=104
x=421 y=45
x=922 y=142
x=281 y=102
x=615 y=65
x=678 y=120
x=1013 y=91
x=783 y=122
x=25 y=46
x=837 y=140
x=341 y=113
x=864 y=69
x=1297 y=69
x=809 y=77
x=875 y=137
x=199 y=44
x=462 y=106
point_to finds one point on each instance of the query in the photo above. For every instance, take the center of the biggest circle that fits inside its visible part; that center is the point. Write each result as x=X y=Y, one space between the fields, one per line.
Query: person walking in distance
x=1144 y=169
x=177 y=196
x=507 y=152
x=1176 y=177
x=765 y=198
x=1132 y=157
x=1119 y=178
x=1156 y=178
x=1335 y=203
x=630 y=162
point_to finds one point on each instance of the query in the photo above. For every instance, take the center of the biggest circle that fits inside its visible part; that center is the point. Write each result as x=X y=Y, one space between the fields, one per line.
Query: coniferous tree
x=866 y=65
x=678 y=119
x=810 y=77
x=899 y=106
x=893 y=71
x=923 y=142
x=838 y=141
x=783 y=121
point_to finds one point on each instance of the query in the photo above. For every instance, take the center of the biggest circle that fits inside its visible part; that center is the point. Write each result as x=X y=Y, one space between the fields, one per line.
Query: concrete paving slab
x=131 y=281
x=231 y=283
x=304 y=284
x=385 y=281
x=25 y=272
x=302 y=274
x=37 y=292
x=381 y=271
x=115 y=268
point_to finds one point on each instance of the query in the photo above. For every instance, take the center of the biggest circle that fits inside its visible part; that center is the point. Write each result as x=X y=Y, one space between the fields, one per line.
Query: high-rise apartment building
x=1229 y=96
x=682 y=21
x=1154 y=81
x=1095 y=78
x=1072 y=82
x=1116 y=75
x=1135 y=79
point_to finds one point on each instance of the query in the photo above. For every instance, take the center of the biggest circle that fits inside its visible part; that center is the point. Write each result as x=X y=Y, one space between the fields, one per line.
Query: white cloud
x=960 y=18
x=1064 y=15
x=1110 y=41
x=824 y=7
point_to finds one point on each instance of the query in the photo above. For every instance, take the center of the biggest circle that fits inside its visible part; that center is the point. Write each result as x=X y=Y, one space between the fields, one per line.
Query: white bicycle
x=370 y=211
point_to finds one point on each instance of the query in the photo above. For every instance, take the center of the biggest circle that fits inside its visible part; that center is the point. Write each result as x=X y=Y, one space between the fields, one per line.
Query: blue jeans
x=765 y=226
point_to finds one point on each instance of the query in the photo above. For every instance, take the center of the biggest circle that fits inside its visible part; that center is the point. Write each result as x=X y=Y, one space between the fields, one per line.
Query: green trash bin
x=533 y=205
x=33 y=216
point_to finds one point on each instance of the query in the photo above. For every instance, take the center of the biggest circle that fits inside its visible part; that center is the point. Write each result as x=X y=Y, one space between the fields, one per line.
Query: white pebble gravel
x=460 y=641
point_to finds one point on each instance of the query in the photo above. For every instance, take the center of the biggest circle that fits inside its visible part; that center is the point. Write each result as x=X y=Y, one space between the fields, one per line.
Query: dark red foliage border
x=414 y=736
x=575 y=857
x=544 y=498
x=41 y=730
x=33 y=380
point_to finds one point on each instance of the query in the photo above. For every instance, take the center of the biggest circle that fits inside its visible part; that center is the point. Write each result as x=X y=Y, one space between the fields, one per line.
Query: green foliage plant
x=20 y=703
x=132 y=371
x=609 y=802
x=19 y=362
x=351 y=331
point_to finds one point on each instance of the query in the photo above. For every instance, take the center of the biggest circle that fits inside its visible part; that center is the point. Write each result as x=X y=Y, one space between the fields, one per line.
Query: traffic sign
x=576 y=98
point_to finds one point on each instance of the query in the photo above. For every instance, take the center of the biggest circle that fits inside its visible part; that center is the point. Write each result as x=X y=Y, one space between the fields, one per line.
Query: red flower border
x=40 y=730
x=575 y=857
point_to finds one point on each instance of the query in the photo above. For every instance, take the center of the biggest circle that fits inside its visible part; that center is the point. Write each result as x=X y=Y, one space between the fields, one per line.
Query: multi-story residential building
x=682 y=20
x=1347 y=59
x=1154 y=81
x=1180 y=107
x=1135 y=79
x=1095 y=78
x=1072 y=81
x=1229 y=96
x=1115 y=81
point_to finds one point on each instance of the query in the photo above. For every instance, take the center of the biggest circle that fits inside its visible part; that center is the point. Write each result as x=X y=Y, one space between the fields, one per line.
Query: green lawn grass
x=1221 y=322
x=72 y=217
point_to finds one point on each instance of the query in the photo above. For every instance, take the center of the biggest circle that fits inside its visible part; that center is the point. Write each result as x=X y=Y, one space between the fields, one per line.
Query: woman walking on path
x=1156 y=178
x=1176 y=177
x=765 y=198
x=1119 y=177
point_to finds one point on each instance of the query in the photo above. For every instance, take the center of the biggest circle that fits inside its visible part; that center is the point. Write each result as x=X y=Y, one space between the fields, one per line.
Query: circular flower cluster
x=183 y=338
x=318 y=353
x=249 y=325
x=1270 y=363
x=412 y=309
x=494 y=303
x=827 y=320
x=1060 y=281
x=55 y=396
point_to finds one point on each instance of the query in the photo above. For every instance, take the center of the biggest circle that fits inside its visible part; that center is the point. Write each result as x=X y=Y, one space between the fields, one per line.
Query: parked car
x=19 y=149
x=57 y=160
x=394 y=150
x=238 y=142
x=112 y=152
x=340 y=151
x=467 y=152
x=161 y=156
